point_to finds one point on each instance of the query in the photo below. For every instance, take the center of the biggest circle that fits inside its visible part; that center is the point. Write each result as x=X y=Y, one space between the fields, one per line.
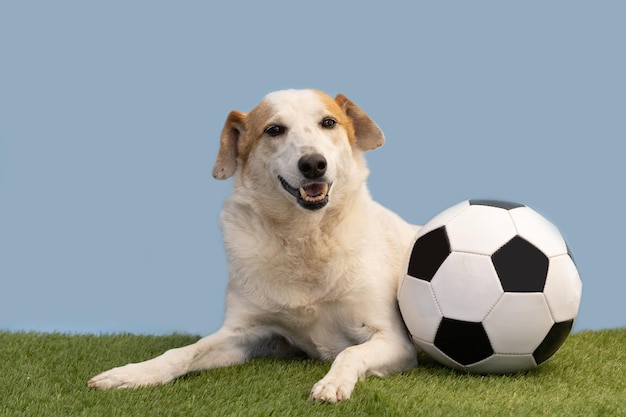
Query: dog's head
x=300 y=143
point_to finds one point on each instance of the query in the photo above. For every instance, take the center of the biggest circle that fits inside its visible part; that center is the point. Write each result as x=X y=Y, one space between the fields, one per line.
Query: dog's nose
x=312 y=166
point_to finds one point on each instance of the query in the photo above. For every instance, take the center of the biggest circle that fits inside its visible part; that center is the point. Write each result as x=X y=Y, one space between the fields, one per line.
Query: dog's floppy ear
x=368 y=134
x=226 y=162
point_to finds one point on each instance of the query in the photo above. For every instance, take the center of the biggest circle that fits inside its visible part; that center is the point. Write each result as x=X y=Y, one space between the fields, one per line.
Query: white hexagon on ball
x=419 y=308
x=466 y=286
x=563 y=288
x=503 y=364
x=518 y=323
x=480 y=229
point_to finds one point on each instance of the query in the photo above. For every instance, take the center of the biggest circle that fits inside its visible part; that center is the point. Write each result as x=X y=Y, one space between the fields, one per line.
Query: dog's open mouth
x=311 y=196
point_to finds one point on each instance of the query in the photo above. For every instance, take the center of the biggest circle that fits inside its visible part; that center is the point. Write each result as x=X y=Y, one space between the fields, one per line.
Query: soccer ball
x=490 y=287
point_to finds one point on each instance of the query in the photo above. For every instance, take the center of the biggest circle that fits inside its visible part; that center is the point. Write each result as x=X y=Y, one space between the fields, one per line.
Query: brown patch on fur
x=258 y=118
x=226 y=162
x=334 y=107
x=240 y=133
x=368 y=134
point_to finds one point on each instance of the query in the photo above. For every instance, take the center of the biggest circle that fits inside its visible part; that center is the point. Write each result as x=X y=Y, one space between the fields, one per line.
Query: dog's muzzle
x=311 y=195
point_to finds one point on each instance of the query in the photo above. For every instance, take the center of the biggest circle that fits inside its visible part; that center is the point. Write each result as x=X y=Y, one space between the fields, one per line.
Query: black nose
x=312 y=166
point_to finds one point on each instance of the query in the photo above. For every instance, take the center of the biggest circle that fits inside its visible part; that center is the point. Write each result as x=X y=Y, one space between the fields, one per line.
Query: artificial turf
x=46 y=374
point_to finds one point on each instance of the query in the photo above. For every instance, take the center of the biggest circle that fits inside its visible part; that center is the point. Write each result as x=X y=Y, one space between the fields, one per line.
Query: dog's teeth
x=313 y=198
x=324 y=190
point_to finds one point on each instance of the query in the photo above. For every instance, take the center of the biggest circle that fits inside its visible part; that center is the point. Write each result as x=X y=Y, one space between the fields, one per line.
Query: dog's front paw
x=331 y=391
x=132 y=375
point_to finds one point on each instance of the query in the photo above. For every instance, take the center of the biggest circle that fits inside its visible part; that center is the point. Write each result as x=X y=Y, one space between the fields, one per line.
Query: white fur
x=319 y=281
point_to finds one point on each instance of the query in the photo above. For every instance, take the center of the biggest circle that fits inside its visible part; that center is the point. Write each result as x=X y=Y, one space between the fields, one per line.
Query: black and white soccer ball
x=490 y=287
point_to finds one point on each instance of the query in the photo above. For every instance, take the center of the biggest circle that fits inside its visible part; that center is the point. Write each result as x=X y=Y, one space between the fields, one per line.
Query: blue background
x=110 y=115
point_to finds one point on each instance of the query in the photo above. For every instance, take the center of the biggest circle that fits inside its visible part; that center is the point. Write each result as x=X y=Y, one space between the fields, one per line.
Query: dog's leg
x=381 y=355
x=222 y=348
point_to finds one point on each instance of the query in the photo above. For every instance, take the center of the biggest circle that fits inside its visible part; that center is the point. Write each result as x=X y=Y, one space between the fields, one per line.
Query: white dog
x=314 y=262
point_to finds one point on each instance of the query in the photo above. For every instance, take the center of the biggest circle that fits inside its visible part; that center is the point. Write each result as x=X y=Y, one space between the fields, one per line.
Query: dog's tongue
x=314 y=191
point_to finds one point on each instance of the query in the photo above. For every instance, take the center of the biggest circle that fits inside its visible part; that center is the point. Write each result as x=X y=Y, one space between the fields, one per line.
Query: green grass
x=46 y=374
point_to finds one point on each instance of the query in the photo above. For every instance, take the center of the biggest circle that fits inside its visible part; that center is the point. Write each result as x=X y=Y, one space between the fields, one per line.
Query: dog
x=314 y=262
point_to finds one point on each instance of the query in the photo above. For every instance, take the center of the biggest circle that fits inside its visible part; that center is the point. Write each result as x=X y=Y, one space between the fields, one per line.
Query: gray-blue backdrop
x=110 y=114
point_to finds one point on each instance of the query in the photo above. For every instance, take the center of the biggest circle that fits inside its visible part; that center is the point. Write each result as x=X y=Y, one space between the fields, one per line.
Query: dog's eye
x=274 y=130
x=328 y=123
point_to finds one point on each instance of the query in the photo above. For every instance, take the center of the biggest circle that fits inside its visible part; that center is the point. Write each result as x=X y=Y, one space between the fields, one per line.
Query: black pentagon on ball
x=521 y=266
x=429 y=252
x=553 y=341
x=507 y=205
x=463 y=341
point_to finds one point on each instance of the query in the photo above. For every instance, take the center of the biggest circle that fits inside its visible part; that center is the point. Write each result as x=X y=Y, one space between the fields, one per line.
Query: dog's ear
x=226 y=161
x=368 y=134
